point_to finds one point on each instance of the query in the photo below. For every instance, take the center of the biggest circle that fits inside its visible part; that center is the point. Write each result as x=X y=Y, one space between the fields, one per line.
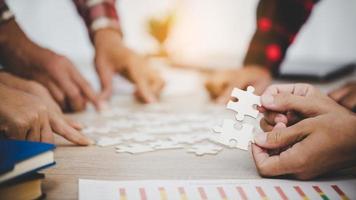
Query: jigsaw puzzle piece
x=246 y=100
x=229 y=136
x=202 y=149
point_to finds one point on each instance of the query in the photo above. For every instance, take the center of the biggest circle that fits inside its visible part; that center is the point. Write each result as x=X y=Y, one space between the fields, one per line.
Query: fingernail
x=261 y=138
x=267 y=100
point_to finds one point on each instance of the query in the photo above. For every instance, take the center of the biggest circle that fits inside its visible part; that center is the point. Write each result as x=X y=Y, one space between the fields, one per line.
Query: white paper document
x=216 y=189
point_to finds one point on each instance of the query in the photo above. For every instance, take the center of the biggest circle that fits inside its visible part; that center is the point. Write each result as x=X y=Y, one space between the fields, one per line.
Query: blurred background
x=211 y=33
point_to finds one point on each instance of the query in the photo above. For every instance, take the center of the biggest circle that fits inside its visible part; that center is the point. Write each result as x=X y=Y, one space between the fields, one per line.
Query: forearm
x=16 y=49
x=278 y=23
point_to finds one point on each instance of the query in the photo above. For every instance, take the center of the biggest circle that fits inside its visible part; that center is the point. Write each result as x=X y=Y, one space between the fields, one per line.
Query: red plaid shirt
x=278 y=22
x=96 y=14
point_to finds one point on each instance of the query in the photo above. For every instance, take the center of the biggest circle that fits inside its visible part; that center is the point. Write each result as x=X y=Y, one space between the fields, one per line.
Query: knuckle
x=275 y=137
x=75 y=94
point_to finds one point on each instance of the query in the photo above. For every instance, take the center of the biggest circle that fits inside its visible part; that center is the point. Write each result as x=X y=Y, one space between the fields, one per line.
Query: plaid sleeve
x=278 y=22
x=98 y=14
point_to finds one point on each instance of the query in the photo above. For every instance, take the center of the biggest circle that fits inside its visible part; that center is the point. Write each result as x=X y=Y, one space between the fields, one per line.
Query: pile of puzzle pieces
x=144 y=131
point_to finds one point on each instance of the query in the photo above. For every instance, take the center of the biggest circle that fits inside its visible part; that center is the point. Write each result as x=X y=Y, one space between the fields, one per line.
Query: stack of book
x=20 y=162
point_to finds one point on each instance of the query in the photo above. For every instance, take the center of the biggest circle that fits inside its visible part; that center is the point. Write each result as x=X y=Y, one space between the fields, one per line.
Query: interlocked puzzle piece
x=232 y=137
x=245 y=104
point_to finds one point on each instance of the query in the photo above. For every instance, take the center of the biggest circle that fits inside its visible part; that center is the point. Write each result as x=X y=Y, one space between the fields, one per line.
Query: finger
x=105 y=75
x=266 y=127
x=85 y=88
x=282 y=137
x=274 y=165
x=75 y=98
x=143 y=91
x=349 y=101
x=74 y=124
x=275 y=117
x=46 y=133
x=61 y=128
x=283 y=102
x=35 y=133
x=157 y=85
x=339 y=93
x=57 y=94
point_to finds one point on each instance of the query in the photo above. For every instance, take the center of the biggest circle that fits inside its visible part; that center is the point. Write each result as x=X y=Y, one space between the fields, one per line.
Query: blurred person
x=312 y=134
x=22 y=57
x=28 y=112
x=278 y=23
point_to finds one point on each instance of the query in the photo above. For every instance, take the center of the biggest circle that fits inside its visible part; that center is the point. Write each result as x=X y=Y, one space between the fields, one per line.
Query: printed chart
x=264 y=189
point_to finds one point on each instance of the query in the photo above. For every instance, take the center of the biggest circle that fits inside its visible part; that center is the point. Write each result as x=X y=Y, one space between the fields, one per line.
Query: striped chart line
x=261 y=193
x=143 y=194
x=340 y=192
x=281 y=193
x=202 y=193
x=242 y=193
x=301 y=193
x=320 y=192
x=122 y=192
x=183 y=195
x=222 y=193
x=162 y=193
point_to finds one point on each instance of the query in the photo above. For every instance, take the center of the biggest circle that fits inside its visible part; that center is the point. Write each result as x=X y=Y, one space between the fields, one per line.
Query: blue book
x=18 y=158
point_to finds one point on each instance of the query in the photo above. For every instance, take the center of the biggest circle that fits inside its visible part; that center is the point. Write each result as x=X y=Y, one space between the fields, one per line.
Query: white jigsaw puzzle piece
x=108 y=141
x=202 y=149
x=232 y=137
x=165 y=144
x=134 y=148
x=245 y=104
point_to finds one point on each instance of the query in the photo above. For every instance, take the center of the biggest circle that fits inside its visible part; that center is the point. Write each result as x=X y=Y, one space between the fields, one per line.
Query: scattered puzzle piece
x=202 y=149
x=232 y=137
x=134 y=148
x=108 y=141
x=165 y=144
x=246 y=101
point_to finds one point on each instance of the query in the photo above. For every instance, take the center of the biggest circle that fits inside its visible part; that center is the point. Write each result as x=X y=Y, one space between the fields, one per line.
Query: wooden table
x=93 y=162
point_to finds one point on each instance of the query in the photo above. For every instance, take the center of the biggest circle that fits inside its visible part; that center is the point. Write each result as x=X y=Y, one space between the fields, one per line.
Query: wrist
x=106 y=36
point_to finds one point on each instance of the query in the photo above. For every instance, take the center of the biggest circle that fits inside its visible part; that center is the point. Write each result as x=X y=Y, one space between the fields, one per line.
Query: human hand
x=23 y=116
x=221 y=83
x=111 y=56
x=346 y=95
x=22 y=57
x=58 y=122
x=324 y=136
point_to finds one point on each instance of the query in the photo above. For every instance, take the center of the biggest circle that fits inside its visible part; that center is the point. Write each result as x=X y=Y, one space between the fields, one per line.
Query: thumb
x=283 y=137
x=285 y=102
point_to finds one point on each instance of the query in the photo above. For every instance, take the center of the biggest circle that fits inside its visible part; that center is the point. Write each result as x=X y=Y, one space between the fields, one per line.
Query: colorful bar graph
x=217 y=190
x=143 y=194
x=281 y=193
x=162 y=193
x=301 y=193
x=122 y=192
x=320 y=192
x=222 y=193
x=261 y=193
x=182 y=193
x=242 y=193
x=202 y=193
x=340 y=192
